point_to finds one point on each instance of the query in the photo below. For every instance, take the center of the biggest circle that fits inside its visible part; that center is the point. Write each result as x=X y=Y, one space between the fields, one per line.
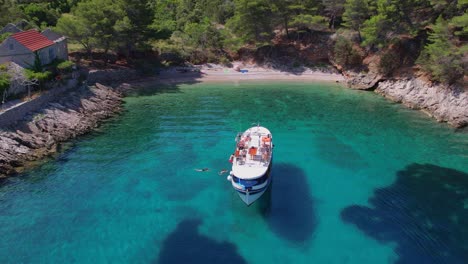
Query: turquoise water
x=357 y=179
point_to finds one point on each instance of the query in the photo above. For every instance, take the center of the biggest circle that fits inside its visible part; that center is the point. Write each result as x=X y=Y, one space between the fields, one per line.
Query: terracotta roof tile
x=32 y=40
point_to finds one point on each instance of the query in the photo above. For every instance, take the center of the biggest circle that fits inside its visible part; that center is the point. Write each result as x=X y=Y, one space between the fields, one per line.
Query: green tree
x=9 y=12
x=252 y=21
x=133 y=26
x=344 y=53
x=334 y=10
x=93 y=24
x=75 y=28
x=460 y=25
x=393 y=18
x=40 y=14
x=356 y=12
x=441 y=58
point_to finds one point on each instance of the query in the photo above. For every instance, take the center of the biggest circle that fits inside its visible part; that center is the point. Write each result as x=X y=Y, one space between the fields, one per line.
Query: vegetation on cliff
x=430 y=34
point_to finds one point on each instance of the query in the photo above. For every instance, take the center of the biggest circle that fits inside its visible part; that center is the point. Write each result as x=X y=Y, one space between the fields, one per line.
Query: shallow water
x=357 y=179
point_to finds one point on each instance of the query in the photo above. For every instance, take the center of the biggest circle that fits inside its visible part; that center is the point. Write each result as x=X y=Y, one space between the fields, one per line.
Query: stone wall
x=14 y=114
x=112 y=76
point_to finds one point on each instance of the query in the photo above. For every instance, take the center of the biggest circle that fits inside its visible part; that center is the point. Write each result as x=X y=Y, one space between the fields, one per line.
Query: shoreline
x=220 y=74
x=40 y=134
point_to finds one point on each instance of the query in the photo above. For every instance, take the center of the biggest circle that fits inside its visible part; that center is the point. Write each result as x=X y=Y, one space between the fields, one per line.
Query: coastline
x=222 y=74
x=443 y=103
x=40 y=133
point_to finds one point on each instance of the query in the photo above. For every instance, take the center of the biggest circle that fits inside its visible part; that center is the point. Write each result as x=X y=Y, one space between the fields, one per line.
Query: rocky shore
x=442 y=102
x=39 y=134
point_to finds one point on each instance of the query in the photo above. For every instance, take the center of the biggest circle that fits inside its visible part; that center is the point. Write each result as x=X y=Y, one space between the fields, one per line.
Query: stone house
x=22 y=47
x=10 y=28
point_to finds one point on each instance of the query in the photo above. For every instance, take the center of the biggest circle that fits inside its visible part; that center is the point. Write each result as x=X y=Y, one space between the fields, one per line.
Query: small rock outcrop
x=39 y=134
x=362 y=81
x=445 y=103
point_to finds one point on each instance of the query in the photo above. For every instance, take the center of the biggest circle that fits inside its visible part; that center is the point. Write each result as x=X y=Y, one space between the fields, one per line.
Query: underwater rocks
x=39 y=134
x=444 y=103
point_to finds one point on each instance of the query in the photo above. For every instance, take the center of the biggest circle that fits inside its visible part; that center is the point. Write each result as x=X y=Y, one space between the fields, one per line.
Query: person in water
x=203 y=169
x=221 y=172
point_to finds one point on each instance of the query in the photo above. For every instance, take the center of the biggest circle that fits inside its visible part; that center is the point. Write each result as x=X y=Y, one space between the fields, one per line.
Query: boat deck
x=254 y=148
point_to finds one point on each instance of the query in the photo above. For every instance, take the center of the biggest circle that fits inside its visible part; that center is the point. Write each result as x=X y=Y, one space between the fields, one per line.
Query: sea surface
x=356 y=179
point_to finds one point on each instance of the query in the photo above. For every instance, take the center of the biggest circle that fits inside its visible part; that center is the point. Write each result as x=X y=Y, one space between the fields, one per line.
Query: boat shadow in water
x=287 y=206
x=187 y=245
x=425 y=212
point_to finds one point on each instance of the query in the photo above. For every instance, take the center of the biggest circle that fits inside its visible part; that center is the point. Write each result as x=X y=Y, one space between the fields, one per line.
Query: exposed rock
x=445 y=103
x=39 y=134
x=362 y=81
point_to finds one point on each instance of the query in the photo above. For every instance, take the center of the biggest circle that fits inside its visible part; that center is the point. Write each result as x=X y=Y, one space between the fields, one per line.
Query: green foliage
x=334 y=10
x=65 y=66
x=441 y=58
x=389 y=62
x=310 y=21
x=40 y=76
x=356 y=12
x=75 y=28
x=460 y=25
x=252 y=21
x=345 y=54
x=4 y=36
x=9 y=12
x=40 y=14
x=132 y=26
x=4 y=78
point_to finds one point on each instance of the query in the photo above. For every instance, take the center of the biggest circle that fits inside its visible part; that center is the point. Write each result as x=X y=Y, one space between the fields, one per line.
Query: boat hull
x=249 y=197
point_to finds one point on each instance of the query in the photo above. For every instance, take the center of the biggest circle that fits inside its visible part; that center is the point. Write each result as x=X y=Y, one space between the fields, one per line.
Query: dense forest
x=217 y=30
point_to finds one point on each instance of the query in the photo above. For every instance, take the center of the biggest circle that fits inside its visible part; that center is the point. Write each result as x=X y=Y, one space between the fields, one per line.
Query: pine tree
x=441 y=58
x=356 y=12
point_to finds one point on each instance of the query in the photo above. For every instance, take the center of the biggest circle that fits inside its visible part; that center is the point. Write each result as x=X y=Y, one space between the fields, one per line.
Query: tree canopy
x=209 y=30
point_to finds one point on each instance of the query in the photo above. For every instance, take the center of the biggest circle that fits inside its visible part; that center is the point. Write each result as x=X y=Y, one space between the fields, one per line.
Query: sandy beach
x=217 y=73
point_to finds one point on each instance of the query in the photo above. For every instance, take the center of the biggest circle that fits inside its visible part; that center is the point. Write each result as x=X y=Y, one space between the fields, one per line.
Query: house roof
x=32 y=40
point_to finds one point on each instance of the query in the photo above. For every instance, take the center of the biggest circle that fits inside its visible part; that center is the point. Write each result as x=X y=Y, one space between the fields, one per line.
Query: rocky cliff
x=40 y=133
x=445 y=103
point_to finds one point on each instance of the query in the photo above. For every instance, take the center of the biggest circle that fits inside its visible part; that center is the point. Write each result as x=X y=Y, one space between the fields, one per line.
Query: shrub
x=4 y=36
x=345 y=54
x=65 y=66
x=389 y=62
x=4 y=82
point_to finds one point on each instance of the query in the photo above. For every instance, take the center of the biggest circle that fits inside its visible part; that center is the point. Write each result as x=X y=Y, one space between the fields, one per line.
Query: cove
x=356 y=179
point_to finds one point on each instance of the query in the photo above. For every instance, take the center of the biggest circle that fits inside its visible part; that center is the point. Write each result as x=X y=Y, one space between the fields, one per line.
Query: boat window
x=249 y=183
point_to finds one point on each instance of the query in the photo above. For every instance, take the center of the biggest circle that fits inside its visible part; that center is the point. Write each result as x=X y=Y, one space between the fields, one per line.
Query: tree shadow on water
x=187 y=245
x=289 y=208
x=425 y=212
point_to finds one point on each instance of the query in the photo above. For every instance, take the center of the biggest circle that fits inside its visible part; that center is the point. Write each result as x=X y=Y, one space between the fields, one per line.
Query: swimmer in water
x=204 y=169
x=221 y=172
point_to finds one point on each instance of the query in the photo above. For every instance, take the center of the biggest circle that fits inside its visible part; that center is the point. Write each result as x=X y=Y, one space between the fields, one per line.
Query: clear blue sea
x=356 y=179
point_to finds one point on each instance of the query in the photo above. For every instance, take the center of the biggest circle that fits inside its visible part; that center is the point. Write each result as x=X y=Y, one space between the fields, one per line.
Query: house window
x=51 y=54
x=11 y=46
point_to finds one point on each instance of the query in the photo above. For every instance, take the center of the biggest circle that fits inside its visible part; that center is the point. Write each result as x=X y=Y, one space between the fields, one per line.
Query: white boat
x=251 y=163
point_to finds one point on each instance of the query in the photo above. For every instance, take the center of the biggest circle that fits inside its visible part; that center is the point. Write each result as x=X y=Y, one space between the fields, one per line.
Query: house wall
x=19 y=54
x=61 y=46
x=62 y=49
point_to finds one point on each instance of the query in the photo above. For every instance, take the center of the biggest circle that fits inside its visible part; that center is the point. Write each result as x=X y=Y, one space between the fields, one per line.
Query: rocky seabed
x=39 y=134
